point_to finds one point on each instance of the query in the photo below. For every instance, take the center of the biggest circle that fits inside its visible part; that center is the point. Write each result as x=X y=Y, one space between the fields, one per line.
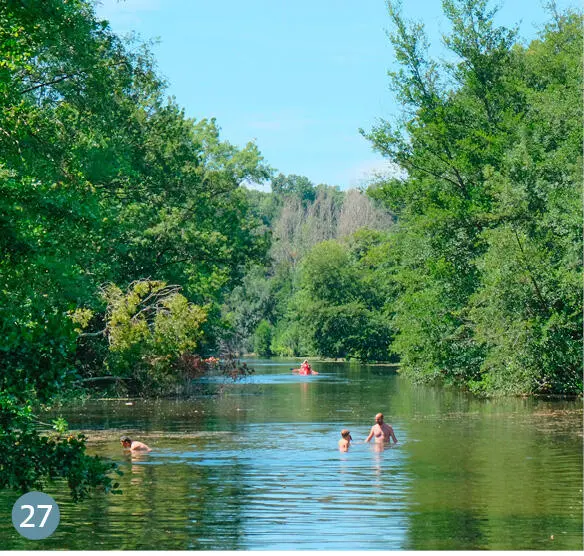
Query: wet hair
x=125 y=439
x=345 y=433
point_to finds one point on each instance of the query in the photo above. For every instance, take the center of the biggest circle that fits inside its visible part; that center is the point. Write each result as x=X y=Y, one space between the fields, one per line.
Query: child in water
x=345 y=440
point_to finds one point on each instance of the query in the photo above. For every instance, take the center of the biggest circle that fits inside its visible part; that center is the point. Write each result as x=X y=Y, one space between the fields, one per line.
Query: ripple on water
x=259 y=468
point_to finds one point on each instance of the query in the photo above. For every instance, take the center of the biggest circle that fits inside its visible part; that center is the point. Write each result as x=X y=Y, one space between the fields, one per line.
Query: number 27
x=46 y=507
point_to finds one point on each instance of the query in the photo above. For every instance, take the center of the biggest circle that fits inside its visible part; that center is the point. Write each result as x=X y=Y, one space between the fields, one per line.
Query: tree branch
x=542 y=301
x=53 y=82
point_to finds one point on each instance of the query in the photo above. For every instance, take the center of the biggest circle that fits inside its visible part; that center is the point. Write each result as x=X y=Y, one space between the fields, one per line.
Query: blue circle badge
x=35 y=515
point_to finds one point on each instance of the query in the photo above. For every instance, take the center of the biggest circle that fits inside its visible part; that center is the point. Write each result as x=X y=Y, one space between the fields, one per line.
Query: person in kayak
x=345 y=440
x=381 y=431
x=306 y=369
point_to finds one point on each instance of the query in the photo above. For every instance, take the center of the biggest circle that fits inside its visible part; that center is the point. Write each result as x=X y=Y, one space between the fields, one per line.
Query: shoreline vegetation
x=319 y=359
x=132 y=247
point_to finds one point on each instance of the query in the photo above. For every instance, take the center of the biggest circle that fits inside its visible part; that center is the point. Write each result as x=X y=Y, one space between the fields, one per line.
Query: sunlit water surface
x=257 y=467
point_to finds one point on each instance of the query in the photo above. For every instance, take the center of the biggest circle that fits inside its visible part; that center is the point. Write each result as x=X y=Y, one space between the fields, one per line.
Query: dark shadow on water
x=446 y=530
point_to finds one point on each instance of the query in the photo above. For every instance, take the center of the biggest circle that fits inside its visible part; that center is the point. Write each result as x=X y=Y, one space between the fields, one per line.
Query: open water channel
x=257 y=467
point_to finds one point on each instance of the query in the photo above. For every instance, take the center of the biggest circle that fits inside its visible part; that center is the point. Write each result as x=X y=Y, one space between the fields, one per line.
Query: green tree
x=481 y=243
x=335 y=307
x=149 y=328
x=263 y=339
x=299 y=187
x=30 y=457
x=245 y=307
x=531 y=294
x=103 y=180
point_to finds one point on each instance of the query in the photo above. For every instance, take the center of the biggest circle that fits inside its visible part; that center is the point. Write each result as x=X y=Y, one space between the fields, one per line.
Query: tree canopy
x=487 y=260
x=105 y=182
x=132 y=248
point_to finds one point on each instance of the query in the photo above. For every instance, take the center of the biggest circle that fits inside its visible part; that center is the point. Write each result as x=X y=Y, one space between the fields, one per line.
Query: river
x=257 y=467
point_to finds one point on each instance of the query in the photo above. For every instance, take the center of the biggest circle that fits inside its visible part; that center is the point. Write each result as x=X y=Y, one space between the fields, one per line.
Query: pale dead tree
x=324 y=216
x=321 y=219
x=359 y=211
x=301 y=226
x=330 y=216
x=286 y=232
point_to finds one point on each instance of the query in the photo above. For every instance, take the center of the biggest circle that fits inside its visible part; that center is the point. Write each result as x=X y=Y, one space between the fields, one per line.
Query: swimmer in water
x=381 y=431
x=133 y=445
x=345 y=440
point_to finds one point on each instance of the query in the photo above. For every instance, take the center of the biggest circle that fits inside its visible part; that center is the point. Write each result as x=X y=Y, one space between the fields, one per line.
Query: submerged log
x=103 y=379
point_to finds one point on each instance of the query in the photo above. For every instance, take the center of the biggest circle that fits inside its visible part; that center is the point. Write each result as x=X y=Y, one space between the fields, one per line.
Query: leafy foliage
x=29 y=459
x=263 y=339
x=312 y=271
x=485 y=260
x=105 y=181
x=148 y=329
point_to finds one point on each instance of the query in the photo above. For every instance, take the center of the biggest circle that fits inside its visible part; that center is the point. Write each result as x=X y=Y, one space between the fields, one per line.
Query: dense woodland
x=134 y=244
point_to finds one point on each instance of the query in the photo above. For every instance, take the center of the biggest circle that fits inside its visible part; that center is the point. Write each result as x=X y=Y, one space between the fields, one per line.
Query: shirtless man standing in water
x=381 y=431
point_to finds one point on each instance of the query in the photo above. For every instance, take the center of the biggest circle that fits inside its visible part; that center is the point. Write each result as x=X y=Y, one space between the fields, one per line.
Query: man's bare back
x=134 y=445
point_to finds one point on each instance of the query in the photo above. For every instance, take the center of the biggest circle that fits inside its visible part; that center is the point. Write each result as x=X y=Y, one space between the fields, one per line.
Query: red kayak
x=304 y=372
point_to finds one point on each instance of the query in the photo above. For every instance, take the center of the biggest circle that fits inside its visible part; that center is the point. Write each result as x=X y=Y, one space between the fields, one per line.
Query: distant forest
x=316 y=294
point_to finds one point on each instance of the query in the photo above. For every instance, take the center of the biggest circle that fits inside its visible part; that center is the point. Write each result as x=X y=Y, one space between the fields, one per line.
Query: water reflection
x=260 y=468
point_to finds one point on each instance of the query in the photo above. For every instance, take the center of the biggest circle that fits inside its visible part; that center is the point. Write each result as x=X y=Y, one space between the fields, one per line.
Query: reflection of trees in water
x=173 y=506
x=217 y=496
x=445 y=491
x=141 y=503
x=485 y=477
x=81 y=527
x=455 y=529
x=163 y=507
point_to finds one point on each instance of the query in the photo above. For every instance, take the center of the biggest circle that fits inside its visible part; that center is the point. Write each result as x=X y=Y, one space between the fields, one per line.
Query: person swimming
x=345 y=440
x=133 y=445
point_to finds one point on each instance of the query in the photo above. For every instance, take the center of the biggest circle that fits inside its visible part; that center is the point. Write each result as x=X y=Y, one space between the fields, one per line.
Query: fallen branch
x=103 y=379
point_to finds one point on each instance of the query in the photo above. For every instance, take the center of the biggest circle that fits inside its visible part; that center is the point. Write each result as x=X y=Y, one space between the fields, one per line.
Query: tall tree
x=464 y=125
x=102 y=180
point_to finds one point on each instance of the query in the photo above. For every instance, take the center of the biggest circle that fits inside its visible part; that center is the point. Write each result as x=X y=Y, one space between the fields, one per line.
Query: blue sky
x=298 y=77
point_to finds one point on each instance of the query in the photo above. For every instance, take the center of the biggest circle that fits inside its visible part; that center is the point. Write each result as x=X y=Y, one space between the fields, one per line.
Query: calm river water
x=258 y=468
